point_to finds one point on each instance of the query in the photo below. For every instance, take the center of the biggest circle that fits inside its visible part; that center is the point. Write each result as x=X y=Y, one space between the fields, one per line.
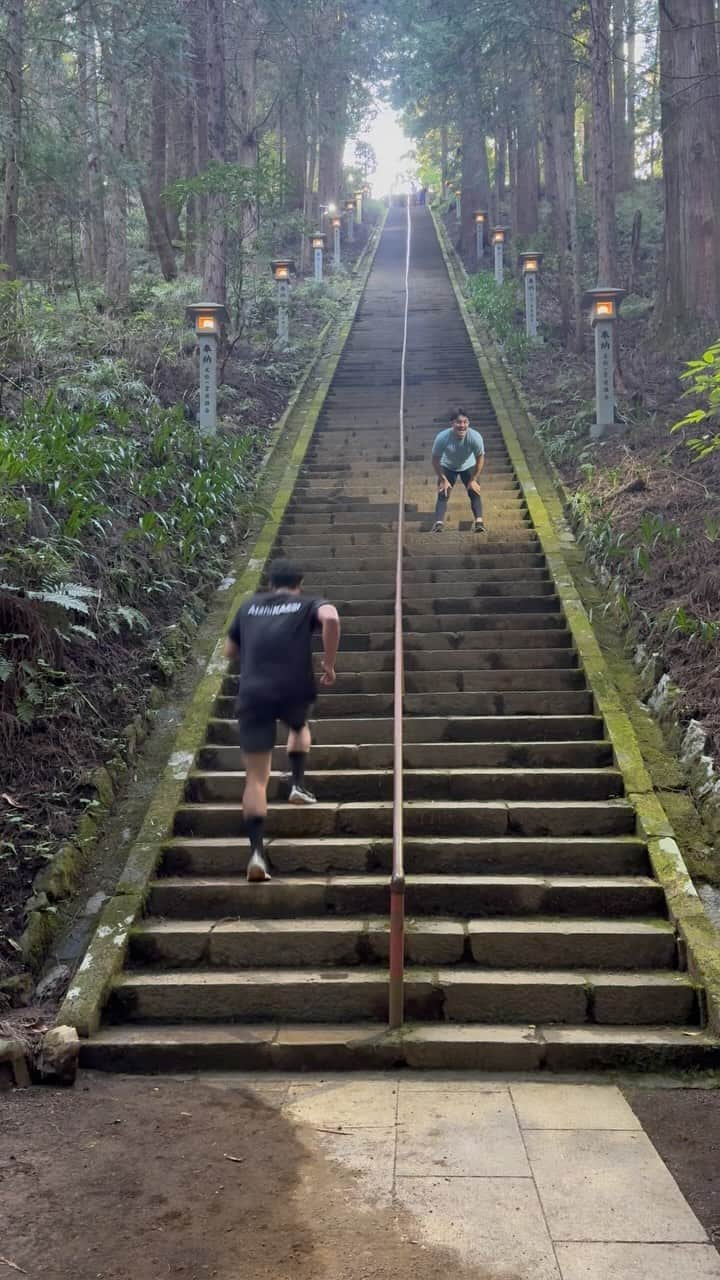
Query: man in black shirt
x=272 y=636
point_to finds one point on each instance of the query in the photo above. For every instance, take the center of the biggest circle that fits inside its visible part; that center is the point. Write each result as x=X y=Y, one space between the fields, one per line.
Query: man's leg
x=298 y=746
x=257 y=776
x=442 y=498
x=475 y=499
x=257 y=738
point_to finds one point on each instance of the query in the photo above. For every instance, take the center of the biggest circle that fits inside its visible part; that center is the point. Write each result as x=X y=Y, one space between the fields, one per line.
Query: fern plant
x=703 y=378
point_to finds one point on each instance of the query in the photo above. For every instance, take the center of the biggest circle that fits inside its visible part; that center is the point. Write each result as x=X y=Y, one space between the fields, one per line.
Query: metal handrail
x=397 y=880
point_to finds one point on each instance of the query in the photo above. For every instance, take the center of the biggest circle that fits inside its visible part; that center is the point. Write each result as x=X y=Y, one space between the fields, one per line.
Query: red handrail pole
x=397 y=954
x=397 y=883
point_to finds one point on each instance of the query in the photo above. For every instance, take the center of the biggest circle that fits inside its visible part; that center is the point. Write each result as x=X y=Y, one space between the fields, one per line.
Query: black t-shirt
x=273 y=631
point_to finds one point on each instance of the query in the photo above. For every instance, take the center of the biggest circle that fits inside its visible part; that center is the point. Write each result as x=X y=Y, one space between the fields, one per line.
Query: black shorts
x=258 y=723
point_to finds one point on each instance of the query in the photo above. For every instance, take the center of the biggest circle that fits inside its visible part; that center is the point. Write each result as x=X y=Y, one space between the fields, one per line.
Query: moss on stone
x=103 y=785
x=37 y=937
x=59 y=878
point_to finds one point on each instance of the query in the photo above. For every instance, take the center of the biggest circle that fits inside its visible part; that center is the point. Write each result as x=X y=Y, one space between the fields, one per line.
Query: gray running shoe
x=257 y=869
x=300 y=795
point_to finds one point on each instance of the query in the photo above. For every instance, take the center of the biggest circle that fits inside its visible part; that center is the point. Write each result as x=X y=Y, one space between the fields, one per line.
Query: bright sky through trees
x=394 y=151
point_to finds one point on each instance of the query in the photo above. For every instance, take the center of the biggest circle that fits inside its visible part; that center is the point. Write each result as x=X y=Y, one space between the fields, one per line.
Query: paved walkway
x=526 y=1181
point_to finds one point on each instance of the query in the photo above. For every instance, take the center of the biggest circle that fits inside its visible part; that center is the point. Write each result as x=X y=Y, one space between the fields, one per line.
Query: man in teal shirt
x=458 y=452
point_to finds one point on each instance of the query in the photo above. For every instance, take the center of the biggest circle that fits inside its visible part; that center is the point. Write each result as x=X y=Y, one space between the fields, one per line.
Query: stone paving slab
x=560 y=1106
x=459 y=1134
x=495 y=1224
x=345 y=1105
x=638 y=1261
x=608 y=1186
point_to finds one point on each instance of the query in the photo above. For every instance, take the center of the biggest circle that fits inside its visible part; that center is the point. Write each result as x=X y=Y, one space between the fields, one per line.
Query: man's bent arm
x=479 y=464
x=330 y=623
x=232 y=650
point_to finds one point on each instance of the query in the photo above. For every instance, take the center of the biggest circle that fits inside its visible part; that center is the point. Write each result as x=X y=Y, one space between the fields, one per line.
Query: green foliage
x=498 y=307
x=703 y=377
x=145 y=486
x=238 y=185
x=105 y=384
x=563 y=435
x=703 y=631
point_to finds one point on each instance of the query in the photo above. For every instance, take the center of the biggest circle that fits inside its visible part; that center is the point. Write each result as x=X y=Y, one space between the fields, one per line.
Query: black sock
x=254 y=828
x=297 y=764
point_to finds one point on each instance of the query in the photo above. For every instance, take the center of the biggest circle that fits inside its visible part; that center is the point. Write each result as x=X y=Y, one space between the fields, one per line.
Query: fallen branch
x=7 y=1263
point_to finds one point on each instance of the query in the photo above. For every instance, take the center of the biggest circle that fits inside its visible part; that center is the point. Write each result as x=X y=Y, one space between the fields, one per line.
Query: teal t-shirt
x=457 y=454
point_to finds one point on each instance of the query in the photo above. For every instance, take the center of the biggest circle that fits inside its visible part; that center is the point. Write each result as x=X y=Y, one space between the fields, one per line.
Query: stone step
x=528 y=659
x=457 y=817
x=443 y=995
x=482 y=561
x=493 y=944
x=517 y=539
x=419 y=582
x=464 y=896
x=419 y=614
x=421 y=784
x=381 y=639
x=440 y=729
x=511 y=855
x=424 y=755
x=335 y=525
x=375 y=631
x=449 y=681
x=494 y=703
x=428 y=596
x=539 y=637
x=437 y=1046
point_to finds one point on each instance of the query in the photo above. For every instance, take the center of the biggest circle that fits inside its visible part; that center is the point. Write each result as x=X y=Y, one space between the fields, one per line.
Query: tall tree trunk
x=500 y=170
x=623 y=180
x=198 y=19
x=587 y=154
x=444 y=146
x=175 y=162
x=527 y=178
x=557 y=84
x=158 y=232
x=190 y=16
x=513 y=173
x=296 y=153
x=332 y=117
x=603 y=160
x=249 y=45
x=157 y=223
x=15 y=39
x=475 y=176
x=190 y=171
x=117 y=278
x=215 y=273
x=95 y=161
x=632 y=82
x=86 y=219
x=690 y=105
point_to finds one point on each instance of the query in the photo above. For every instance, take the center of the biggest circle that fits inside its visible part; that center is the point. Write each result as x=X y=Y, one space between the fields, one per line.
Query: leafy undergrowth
x=649 y=499
x=116 y=522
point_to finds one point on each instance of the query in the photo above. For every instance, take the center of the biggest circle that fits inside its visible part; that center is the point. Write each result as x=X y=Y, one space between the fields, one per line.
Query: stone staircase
x=536 y=933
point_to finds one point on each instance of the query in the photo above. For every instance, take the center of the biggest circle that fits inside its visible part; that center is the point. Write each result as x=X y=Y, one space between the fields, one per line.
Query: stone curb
x=105 y=955
x=698 y=935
